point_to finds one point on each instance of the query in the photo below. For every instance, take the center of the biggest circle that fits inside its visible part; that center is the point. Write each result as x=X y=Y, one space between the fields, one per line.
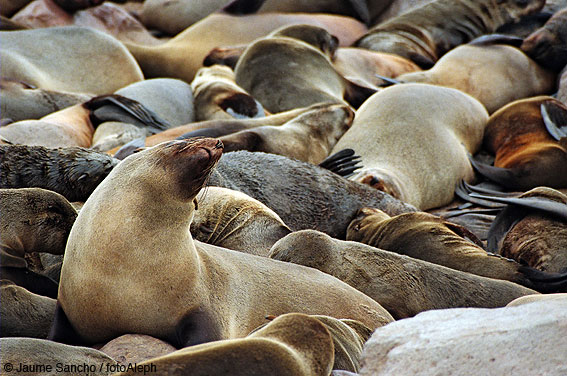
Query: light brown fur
x=112 y=269
x=414 y=140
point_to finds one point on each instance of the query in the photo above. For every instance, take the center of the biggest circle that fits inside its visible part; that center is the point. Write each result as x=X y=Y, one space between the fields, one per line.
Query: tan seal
x=425 y=33
x=57 y=58
x=113 y=270
x=414 y=140
x=310 y=137
x=234 y=220
x=430 y=238
x=292 y=344
x=403 y=285
x=484 y=72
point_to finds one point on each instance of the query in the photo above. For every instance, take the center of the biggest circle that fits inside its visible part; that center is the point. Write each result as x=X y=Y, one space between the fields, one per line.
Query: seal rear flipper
x=130 y=148
x=344 y=162
x=506 y=177
x=491 y=39
x=546 y=205
x=116 y=107
x=244 y=140
x=62 y=331
x=463 y=191
x=545 y=282
x=554 y=116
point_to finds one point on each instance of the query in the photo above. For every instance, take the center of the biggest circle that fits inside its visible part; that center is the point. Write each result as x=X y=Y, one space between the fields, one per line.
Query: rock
x=135 y=348
x=525 y=340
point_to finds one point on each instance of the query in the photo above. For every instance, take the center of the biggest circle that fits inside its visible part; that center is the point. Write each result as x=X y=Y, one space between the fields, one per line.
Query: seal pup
x=73 y=172
x=191 y=298
x=302 y=194
x=484 y=72
x=526 y=154
x=62 y=50
x=182 y=56
x=24 y=314
x=217 y=96
x=32 y=220
x=268 y=70
x=430 y=238
x=292 y=344
x=21 y=101
x=403 y=285
x=425 y=33
x=418 y=165
x=234 y=220
x=310 y=137
x=547 y=45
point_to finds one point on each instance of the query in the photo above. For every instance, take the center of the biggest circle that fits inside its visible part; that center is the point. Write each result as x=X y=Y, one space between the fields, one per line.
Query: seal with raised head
x=113 y=269
x=484 y=72
x=403 y=285
x=420 y=165
x=425 y=33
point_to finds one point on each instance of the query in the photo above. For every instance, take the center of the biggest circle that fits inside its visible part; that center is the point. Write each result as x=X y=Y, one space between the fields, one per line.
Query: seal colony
x=220 y=179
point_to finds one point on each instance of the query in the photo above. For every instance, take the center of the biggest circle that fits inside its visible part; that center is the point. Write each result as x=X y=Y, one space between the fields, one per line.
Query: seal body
x=547 y=44
x=154 y=259
x=417 y=153
x=484 y=72
x=403 y=285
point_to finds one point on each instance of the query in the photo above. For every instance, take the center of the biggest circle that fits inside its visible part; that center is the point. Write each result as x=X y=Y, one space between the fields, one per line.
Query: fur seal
x=430 y=238
x=183 y=55
x=21 y=101
x=332 y=201
x=73 y=172
x=425 y=33
x=418 y=165
x=234 y=220
x=484 y=72
x=75 y=126
x=292 y=344
x=526 y=154
x=155 y=189
x=24 y=314
x=531 y=235
x=32 y=220
x=310 y=137
x=548 y=45
x=403 y=285
x=268 y=70
x=69 y=46
x=562 y=91
x=217 y=96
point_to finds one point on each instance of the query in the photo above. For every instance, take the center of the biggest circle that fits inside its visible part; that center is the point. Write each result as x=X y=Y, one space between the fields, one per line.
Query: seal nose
x=219 y=145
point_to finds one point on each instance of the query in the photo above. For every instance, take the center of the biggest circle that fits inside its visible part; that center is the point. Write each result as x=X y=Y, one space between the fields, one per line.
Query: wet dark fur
x=73 y=172
x=305 y=196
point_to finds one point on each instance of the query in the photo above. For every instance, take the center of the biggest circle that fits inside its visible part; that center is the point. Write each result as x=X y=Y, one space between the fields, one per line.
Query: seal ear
x=243 y=140
x=554 y=116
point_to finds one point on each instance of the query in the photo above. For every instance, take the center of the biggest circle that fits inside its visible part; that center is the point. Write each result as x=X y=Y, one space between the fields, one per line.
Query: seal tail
x=343 y=162
x=115 y=107
x=545 y=282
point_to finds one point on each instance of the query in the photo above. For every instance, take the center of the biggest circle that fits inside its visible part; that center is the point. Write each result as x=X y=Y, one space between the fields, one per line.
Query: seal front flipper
x=62 y=331
x=119 y=108
x=554 y=117
x=545 y=282
x=539 y=203
x=491 y=39
x=504 y=176
x=344 y=162
x=464 y=190
x=130 y=148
